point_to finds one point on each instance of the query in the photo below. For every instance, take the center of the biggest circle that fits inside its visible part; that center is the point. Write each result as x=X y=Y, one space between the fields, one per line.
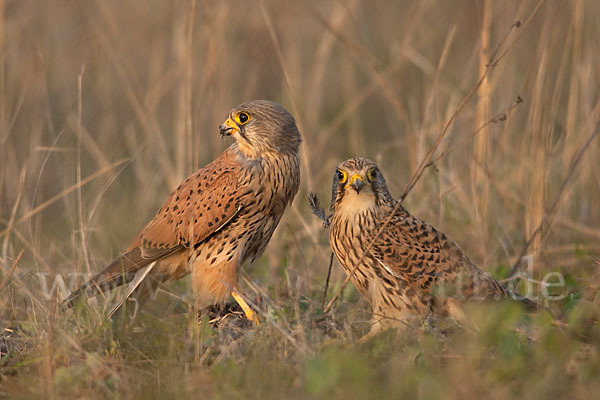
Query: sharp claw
x=252 y=316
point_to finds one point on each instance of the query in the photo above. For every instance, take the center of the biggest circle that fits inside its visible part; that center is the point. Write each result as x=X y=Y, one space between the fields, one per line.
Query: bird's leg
x=250 y=314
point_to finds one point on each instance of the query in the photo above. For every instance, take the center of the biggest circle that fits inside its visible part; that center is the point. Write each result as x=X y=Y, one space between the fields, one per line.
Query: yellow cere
x=353 y=178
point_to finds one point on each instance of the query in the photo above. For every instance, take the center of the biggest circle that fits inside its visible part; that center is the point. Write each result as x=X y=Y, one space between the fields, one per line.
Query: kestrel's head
x=358 y=185
x=261 y=127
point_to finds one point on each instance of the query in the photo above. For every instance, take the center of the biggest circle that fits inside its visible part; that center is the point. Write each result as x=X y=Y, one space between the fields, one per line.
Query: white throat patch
x=354 y=203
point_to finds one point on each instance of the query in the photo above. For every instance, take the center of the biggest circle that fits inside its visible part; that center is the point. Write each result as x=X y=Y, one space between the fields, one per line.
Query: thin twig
x=82 y=225
x=327 y=280
x=366 y=58
x=318 y=211
x=516 y=277
x=65 y=192
x=13 y=213
x=522 y=26
x=10 y=271
x=291 y=92
x=561 y=190
x=500 y=117
x=493 y=62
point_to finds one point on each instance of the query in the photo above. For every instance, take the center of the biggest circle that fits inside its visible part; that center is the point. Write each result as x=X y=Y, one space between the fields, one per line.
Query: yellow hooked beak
x=356 y=182
x=228 y=128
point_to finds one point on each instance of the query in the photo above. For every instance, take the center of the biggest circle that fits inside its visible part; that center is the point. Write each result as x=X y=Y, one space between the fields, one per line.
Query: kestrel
x=412 y=269
x=220 y=217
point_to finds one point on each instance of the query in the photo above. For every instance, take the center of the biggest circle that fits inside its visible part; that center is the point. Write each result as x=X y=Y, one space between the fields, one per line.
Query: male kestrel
x=220 y=217
x=412 y=269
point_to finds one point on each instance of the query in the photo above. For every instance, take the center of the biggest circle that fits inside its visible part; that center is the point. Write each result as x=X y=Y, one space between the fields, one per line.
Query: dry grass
x=106 y=105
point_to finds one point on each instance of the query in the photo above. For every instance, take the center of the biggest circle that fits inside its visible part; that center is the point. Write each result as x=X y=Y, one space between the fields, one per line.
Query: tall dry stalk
x=182 y=44
x=536 y=156
x=481 y=147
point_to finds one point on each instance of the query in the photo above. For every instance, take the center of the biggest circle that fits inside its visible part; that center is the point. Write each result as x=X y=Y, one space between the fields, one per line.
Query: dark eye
x=243 y=118
x=372 y=174
x=341 y=175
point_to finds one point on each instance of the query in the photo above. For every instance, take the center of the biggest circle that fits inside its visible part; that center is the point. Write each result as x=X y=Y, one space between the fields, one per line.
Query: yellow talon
x=250 y=314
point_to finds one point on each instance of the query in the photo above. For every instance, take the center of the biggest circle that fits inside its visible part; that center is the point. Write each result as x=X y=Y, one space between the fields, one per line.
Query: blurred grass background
x=106 y=105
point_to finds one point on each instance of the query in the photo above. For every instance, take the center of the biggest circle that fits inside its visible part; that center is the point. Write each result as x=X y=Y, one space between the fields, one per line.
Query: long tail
x=140 y=293
x=530 y=305
x=498 y=289
x=121 y=271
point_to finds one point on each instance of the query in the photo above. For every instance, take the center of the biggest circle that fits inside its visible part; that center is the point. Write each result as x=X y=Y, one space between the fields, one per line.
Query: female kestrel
x=220 y=217
x=412 y=269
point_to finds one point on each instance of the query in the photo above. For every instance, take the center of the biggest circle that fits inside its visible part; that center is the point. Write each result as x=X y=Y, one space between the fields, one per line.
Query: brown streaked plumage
x=220 y=217
x=412 y=269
